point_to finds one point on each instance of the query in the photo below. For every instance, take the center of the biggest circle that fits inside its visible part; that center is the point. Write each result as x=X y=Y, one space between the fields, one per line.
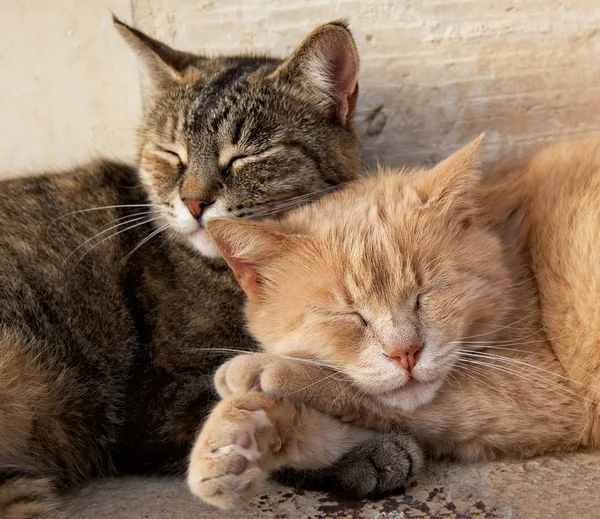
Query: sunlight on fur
x=460 y=306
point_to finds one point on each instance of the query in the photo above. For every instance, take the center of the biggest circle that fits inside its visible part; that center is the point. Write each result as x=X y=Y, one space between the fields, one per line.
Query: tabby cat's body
x=114 y=306
x=105 y=339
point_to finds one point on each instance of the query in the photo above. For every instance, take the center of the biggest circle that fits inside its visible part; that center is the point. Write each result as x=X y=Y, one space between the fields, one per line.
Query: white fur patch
x=184 y=221
x=187 y=225
x=318 y=72
x=202 y=242
x=215 y=210
x=146 y=179
x=261 y=419
x=412 y=397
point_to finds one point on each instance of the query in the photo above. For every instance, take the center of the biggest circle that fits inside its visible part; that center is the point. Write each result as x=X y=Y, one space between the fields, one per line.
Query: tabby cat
x=462 y=308
x=114 y=305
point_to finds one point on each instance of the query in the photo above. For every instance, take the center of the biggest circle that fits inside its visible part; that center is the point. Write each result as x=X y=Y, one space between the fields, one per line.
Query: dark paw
x=380 y=466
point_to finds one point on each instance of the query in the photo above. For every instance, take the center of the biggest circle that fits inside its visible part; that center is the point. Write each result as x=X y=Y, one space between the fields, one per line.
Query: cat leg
x=249 y=435
x=23 y=395
x=318 y=386
x=472 y=418
x=383 y=464
x=24 y=496
x=39 y=455
x=456 y=423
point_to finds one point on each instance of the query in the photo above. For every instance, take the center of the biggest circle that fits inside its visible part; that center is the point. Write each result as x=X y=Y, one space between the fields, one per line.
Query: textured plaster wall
x=68 y=85
x=435 y=73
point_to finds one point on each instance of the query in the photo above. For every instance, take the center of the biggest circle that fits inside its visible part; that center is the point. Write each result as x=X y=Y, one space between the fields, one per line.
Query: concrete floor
x=550 y=487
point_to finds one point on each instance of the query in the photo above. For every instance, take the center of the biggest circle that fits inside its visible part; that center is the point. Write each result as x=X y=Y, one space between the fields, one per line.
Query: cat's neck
x=503 y=207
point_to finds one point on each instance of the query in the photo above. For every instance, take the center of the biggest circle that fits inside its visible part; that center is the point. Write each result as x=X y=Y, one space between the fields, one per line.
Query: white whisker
x=145 y=240
x=312 y=384
x=509 y=325
x=510 y=360
x=313 y=362
x=509 y=341
x=529 y=377
x=108 y=224
x=485 y=347
x=103 y=232
x=274 y=207
x=147 y=221
x=98 y=209
x=472 y=372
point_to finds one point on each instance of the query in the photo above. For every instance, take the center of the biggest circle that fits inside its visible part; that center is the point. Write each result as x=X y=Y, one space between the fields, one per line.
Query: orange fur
x=506 y=267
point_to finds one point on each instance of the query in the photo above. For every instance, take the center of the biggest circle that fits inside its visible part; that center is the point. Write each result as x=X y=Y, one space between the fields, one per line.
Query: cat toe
x=220 y=381
x=238 y=465
x=383 y=465
x=240 y=374
x=380 y=466
x=229 y=462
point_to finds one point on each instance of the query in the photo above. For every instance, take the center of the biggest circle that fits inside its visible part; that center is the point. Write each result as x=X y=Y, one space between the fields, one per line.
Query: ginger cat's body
x=462 y=310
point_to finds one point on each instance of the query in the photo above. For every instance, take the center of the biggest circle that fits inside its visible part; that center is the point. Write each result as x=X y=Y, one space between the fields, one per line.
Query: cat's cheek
x=202 y=242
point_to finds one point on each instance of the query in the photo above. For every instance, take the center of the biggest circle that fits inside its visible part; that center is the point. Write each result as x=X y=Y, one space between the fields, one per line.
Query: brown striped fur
x=109 y=340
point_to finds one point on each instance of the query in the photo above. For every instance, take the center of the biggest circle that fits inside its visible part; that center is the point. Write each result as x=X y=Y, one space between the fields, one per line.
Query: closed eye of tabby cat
x=114 y=307
x=463 y=309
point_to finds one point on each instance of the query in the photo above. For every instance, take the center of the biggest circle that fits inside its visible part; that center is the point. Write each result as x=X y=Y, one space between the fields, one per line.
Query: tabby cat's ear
x=162 y=65
x=248 y=248
x=450 y=184
x=325 y=66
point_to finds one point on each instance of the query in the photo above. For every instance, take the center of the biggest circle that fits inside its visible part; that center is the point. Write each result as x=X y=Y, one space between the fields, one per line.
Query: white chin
x=411 y=396
x=202 y=242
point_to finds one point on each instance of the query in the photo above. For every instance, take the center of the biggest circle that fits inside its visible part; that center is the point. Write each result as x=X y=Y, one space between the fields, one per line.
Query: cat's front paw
x=235 y=452
x=300 y=380
x=245 y=373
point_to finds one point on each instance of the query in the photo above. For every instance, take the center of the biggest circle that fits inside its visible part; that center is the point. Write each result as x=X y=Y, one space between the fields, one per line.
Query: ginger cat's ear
x=325 y=67
x=247 y=248
x=162 y=66
x=450 y=183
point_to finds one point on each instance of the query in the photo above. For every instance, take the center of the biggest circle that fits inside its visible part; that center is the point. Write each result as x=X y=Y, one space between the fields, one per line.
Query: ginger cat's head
x=381 y=280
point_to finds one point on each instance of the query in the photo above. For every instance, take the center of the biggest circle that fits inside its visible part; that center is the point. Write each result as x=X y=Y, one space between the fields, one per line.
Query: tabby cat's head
x=382 y=280
x=244 y=136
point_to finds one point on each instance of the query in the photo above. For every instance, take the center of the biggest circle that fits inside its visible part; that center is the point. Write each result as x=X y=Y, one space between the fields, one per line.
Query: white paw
x=232 y=457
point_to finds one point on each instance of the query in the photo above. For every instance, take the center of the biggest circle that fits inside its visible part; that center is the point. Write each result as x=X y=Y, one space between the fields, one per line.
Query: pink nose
x=406 y=355
x=195 y=207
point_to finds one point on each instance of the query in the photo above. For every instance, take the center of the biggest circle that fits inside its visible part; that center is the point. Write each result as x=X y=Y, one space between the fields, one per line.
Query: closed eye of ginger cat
x=462 y=307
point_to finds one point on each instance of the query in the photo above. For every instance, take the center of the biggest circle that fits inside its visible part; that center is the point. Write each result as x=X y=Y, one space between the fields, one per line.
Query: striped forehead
x=223 y=98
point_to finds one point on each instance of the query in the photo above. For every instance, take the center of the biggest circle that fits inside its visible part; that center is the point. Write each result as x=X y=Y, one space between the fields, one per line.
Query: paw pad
x=244 y=440
x=238 y=465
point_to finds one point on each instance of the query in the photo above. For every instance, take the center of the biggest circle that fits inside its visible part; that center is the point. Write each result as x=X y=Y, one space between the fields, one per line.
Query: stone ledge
x=563 y=487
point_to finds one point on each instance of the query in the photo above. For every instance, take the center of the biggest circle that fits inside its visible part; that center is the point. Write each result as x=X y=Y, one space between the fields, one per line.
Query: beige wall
x=68 y=85
x=435 y=73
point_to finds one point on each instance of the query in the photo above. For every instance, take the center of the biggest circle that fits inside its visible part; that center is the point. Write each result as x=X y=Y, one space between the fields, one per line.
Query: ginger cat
x=462 y=307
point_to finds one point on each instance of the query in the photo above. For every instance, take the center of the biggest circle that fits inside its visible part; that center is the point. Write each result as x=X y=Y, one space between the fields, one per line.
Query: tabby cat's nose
x=195 y=207
x=406 y=355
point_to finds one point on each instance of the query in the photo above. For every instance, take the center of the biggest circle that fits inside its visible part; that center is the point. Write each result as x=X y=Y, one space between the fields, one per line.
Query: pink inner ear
x=343 y=72
x=248 y=280
x=352 y=98
x=246 y=275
